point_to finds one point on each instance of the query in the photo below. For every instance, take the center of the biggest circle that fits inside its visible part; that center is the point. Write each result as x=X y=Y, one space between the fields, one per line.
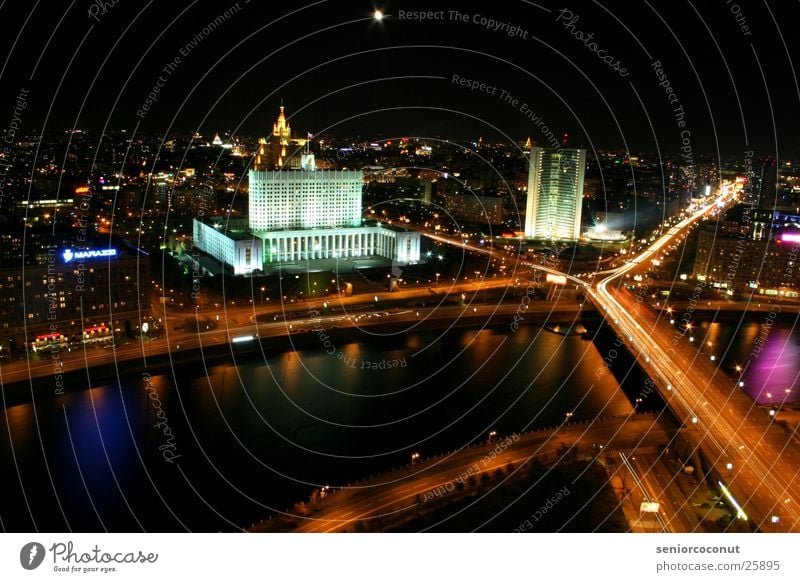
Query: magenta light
x=794 y=238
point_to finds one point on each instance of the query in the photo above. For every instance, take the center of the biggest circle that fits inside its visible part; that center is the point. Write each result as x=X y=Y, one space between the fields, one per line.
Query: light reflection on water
x=261 y=435
x=769 y=354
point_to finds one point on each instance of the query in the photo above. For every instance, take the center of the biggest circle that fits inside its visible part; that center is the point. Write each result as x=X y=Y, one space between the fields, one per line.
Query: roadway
x=243 y=326
x=402 y=491
x=755 y=459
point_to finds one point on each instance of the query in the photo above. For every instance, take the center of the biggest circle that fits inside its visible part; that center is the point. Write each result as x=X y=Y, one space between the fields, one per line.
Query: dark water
x=254 y=437
x=251 y=438
x=767 y=351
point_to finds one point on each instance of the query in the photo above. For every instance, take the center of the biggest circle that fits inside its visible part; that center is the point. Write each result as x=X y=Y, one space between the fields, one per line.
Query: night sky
x=340 y=72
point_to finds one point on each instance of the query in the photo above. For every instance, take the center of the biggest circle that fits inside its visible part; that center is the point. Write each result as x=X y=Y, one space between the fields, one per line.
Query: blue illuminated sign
x=70 y=255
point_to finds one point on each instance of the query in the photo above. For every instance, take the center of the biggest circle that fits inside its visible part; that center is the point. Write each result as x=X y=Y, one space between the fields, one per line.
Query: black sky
x=341 y=72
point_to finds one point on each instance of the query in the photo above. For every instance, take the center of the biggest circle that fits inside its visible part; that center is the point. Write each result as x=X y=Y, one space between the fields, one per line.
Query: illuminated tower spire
x=272 y=151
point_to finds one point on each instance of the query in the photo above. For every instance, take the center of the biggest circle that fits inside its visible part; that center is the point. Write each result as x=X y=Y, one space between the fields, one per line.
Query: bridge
x=755 y=462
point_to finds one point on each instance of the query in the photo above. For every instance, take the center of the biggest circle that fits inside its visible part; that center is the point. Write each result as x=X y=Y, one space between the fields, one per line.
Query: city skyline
x=400 y=267
x=407 y=101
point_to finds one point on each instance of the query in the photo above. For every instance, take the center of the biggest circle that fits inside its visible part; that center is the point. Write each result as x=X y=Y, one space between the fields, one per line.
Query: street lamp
x=414 y=458
x=492 y=434
x=437 y=277
x=567 y=416
x=262 y=294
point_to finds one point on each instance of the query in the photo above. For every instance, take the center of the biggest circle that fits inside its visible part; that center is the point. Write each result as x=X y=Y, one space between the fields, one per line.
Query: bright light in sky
x=378 y=15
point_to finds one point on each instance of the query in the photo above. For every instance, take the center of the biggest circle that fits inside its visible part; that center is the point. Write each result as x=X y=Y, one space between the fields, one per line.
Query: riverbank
x=247 y=342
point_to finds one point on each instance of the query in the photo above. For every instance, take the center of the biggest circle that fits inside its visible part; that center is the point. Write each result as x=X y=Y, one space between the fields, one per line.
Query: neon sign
x=70 y=255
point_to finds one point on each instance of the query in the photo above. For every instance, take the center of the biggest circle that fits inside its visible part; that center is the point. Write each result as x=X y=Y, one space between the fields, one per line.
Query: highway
x=755 y=459
x=399 y=492
x=244 y=328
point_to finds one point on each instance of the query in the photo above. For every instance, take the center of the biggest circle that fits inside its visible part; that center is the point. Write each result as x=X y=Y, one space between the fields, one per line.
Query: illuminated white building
x=300 y=215
x=555 y=193
x=397 y=243
x=228 y=241
x=304 y=198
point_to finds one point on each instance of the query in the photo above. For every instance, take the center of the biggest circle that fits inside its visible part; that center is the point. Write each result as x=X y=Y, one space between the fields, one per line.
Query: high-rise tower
x=555 y=193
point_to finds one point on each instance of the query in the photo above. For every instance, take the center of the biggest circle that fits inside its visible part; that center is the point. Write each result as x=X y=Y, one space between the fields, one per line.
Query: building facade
x=300 y=245
x=739 y=264
x=76 y=294
x=229 y=241
x=555 y=193
x=301 y=214
x=475 y=208
x=304 y=199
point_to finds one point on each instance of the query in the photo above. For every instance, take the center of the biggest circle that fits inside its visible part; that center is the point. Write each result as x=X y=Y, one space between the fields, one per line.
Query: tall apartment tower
x=555 y=193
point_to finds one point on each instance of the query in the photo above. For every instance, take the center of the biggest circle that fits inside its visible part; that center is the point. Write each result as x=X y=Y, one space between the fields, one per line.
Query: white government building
x=299 y=215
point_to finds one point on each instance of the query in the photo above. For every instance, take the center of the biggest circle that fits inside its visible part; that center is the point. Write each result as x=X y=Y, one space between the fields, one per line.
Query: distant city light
x=378 y=15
